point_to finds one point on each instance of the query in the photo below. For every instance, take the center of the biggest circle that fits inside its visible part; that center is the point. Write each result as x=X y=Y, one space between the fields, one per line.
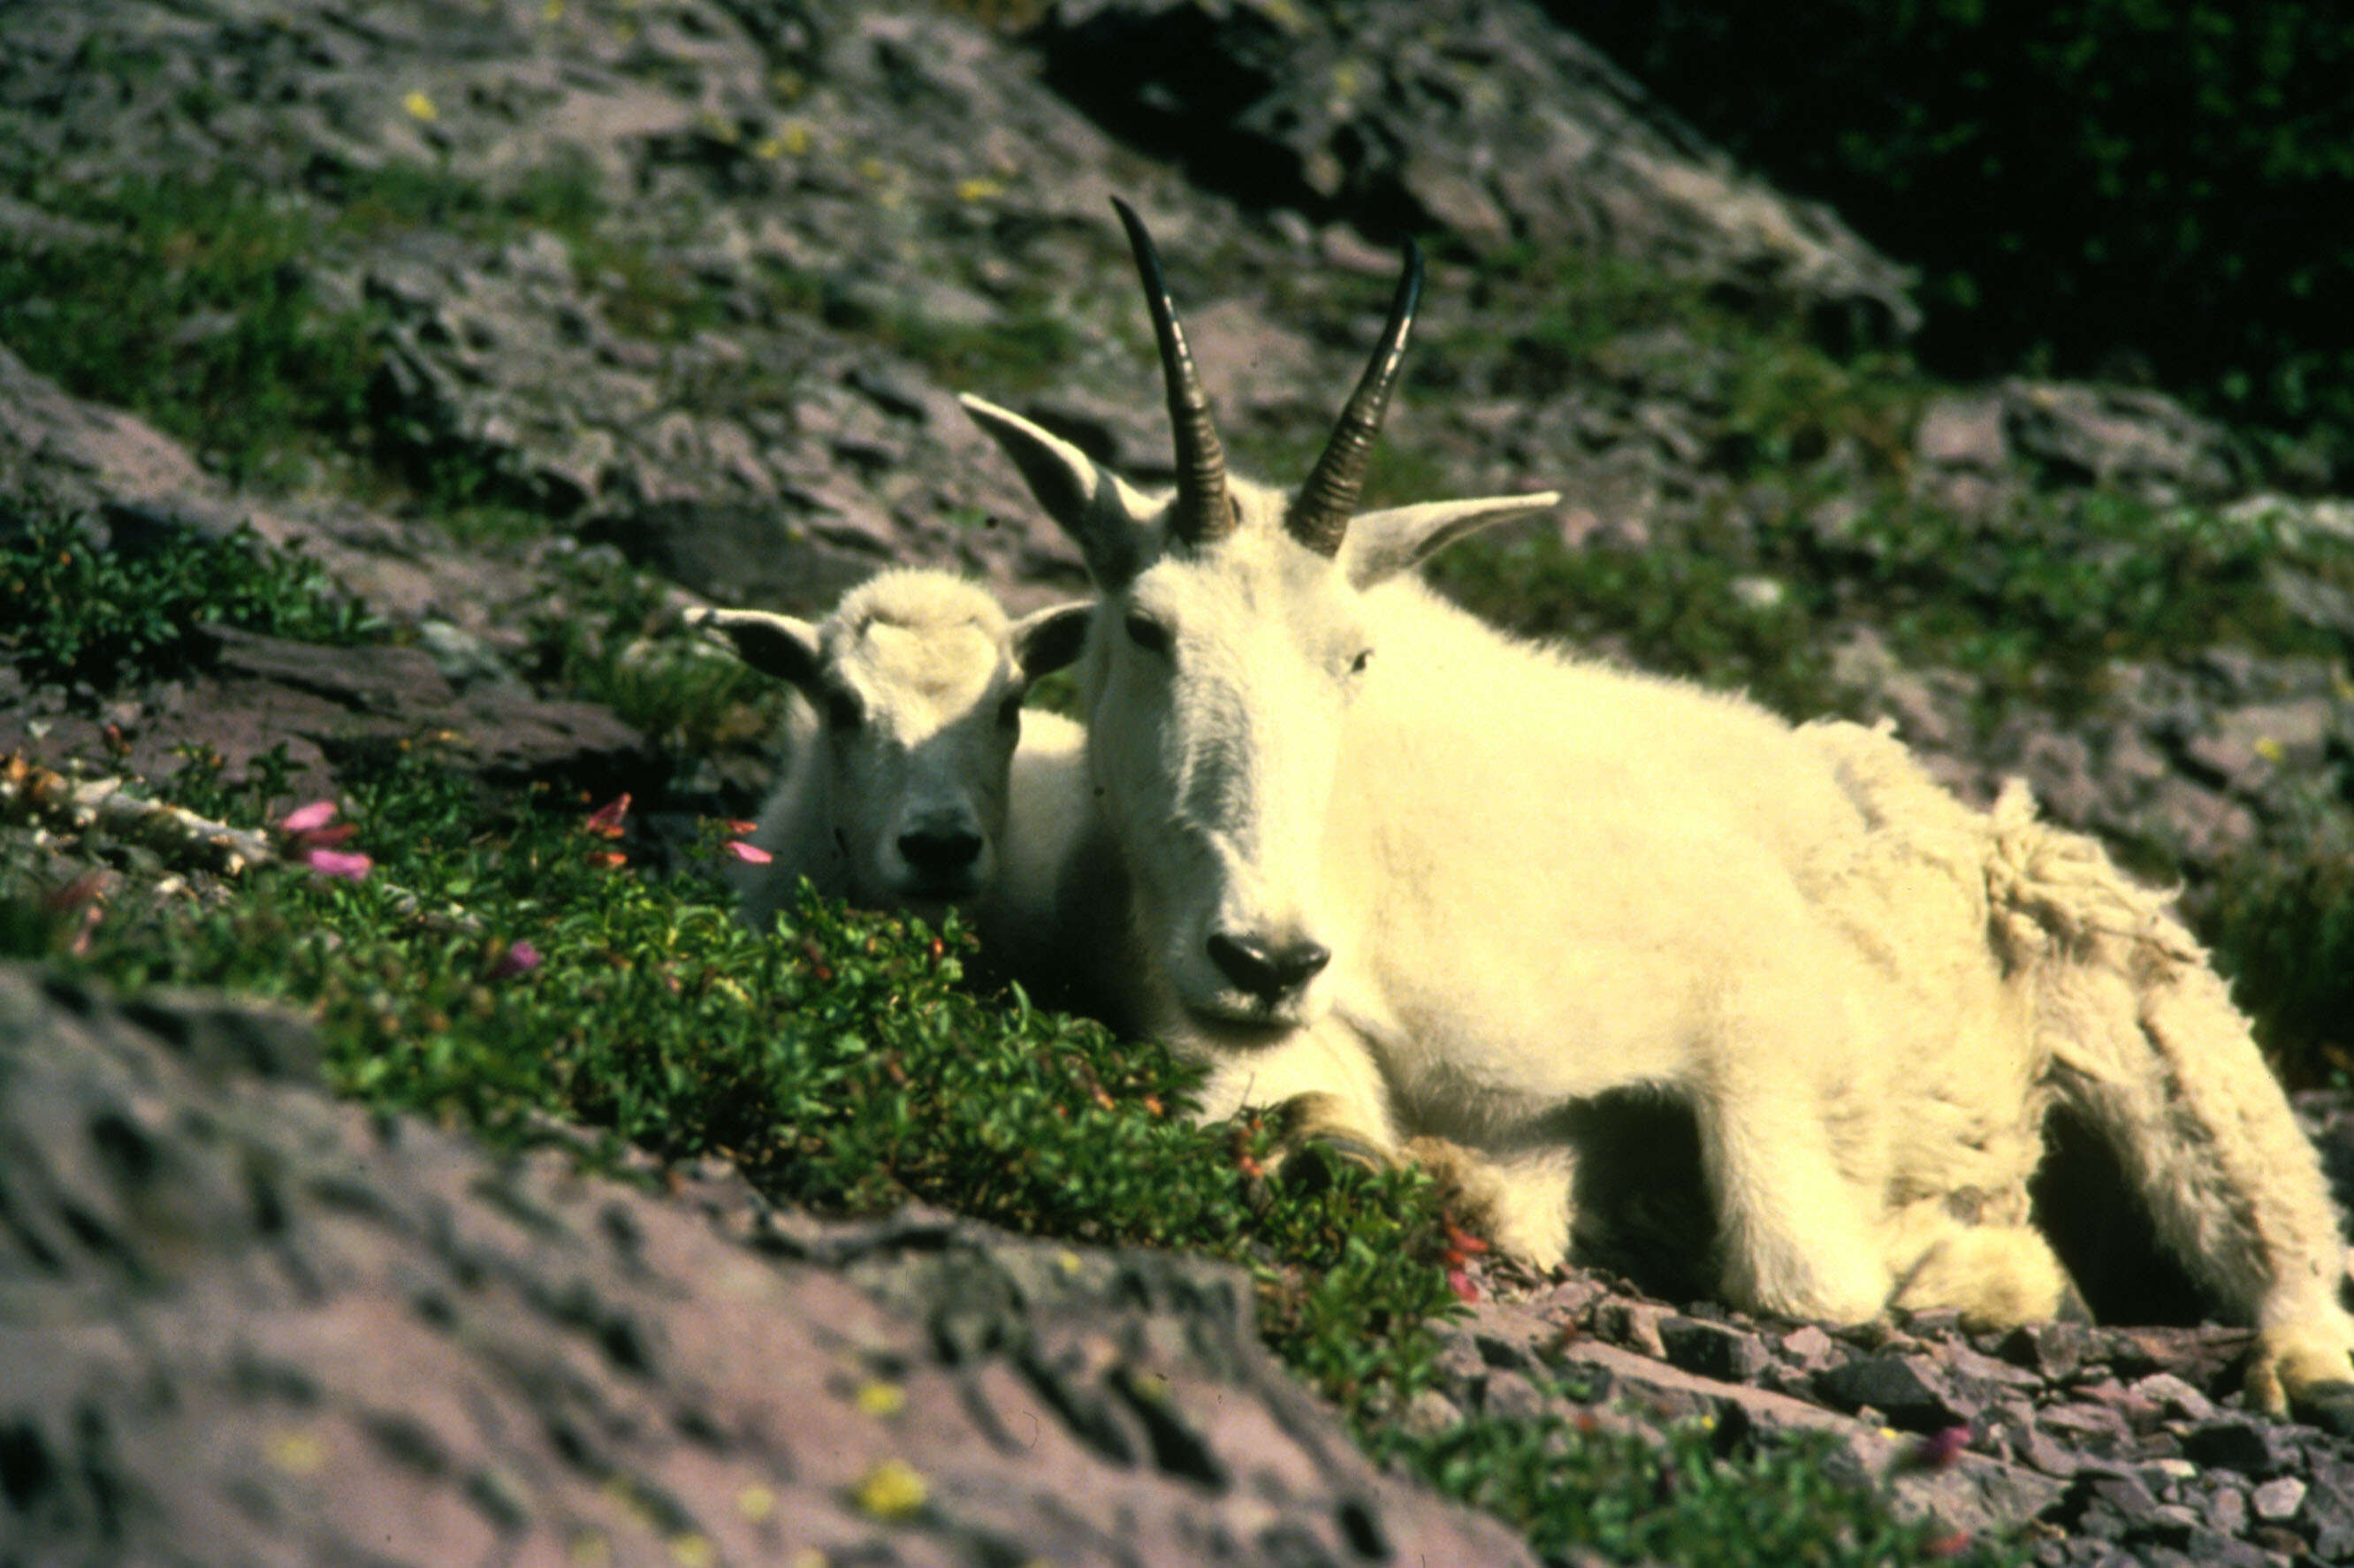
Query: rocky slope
x=245 y=1323
x=691 y=283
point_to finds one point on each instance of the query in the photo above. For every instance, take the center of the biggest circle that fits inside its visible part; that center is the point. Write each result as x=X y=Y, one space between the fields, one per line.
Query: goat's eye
x=1147 y=634
x=1009 y=711
x=1357 y=666
x=841 y=710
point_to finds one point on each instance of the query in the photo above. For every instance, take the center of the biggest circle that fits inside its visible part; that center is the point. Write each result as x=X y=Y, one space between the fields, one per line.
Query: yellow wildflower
x=891 y=1490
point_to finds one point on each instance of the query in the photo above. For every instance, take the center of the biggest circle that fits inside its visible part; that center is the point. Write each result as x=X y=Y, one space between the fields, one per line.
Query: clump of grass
x=610 y=638
x=2036 y=605
x=87 y=616
x=563 y=198
x=2040 y=600
x=195 y=310
x=1693 y=1500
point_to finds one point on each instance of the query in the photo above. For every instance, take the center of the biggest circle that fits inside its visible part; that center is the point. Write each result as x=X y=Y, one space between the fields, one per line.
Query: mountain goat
x=1444 y=890
x=915 y=778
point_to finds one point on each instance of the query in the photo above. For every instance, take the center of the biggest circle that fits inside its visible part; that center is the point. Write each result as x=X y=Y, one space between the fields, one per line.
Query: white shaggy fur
x=1528 y=880
x=914 y=777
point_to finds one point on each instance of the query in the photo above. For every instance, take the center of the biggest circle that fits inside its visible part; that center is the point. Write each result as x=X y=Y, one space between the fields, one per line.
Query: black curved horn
x=1205 y=511
x=1319 y=515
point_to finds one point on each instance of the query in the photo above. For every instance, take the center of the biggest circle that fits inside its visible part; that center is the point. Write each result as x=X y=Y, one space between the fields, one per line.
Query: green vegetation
x=199 y=305
x=2112 y=185
x=609 y=639
x=838 y=1061
x=1697 y=1501
x=2035 y=604
x=85 y=616
x=192 y=306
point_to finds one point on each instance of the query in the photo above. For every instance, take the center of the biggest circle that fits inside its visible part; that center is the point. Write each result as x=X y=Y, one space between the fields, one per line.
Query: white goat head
x=896 y=795
x=1233 y=634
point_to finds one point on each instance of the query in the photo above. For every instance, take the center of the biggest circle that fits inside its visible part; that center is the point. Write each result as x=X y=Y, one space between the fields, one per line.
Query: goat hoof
x=1349 y=1150
x=2328 y=1405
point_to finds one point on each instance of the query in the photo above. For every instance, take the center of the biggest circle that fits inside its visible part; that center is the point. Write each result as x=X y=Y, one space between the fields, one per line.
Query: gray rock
x=2276 y=1501
x=1906 y=1389
x=2053 y=1351
x=1963 y=431
x=2240 y=1443
x=1713 y=1350
x=2138 y=440
x=1374 y=108
x=2327 y=1516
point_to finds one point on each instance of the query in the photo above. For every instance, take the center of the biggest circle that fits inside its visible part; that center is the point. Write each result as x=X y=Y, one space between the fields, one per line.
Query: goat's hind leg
x=1995 y=1274
x=2163 y=1064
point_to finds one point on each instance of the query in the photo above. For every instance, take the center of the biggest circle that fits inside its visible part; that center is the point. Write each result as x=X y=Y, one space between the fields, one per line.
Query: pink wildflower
x=1461 y=1282
x=81 y=901
x=1935 y=1450
x=338 y=862
x=317 y=846
x=750 y=854
x=308 y=819
x=605 y=822
x=519 y=959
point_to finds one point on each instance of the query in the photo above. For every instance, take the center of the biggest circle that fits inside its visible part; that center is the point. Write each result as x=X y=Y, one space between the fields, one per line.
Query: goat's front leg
x=1520 y=1200
x=1324 y=1083
x=1800 y=1231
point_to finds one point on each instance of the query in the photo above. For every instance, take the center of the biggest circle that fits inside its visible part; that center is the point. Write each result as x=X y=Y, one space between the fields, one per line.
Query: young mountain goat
x=915 y=778
x=1435 y=885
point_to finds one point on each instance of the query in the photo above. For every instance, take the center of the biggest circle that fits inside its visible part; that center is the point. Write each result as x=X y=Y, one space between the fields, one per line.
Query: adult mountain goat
x=914 y=777
x=1435 y=884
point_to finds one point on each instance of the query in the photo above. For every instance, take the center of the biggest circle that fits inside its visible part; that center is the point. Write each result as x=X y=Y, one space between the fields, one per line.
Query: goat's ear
x=1047 y=640
x=1101 y=512
x=772 y=644
x=1381 y=545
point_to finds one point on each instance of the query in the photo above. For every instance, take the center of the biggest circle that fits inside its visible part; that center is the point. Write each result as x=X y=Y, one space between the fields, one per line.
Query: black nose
x=1267 y=973
x=940 y=854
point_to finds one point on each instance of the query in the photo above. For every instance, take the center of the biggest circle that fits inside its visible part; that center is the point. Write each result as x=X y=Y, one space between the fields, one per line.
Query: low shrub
x=85 y=615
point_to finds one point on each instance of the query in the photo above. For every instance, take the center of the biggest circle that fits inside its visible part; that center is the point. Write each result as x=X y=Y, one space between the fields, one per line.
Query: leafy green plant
x=609 y=639
x=103 y=618
x=1694 y=1501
